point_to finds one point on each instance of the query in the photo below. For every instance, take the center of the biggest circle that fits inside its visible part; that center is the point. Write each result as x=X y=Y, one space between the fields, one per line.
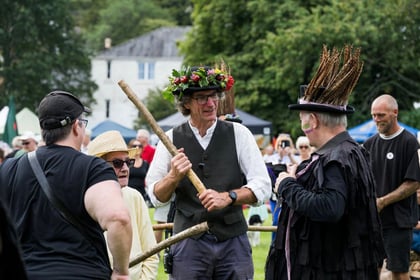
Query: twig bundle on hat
x=332 y=84
x=226 y=108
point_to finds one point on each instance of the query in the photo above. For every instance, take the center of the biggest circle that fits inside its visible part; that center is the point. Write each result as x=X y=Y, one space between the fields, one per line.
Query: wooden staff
x=250 y=227
x=171 y=240
x=159 y=132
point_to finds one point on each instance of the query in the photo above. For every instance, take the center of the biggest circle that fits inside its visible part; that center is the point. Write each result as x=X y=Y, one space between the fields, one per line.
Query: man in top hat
x=111 y=147
x=226 y=158
x=329 y=225
x=86 y=186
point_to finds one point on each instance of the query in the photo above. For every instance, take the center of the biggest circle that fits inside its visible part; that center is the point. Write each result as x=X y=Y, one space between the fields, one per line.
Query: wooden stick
x=171 y=240
x=250 y=228
x=159 y=132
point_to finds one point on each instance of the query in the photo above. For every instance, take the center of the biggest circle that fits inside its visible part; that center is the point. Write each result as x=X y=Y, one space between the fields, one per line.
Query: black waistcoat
x=218 y=169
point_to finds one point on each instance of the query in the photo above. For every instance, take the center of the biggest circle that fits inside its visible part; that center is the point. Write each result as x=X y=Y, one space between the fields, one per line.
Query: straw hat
x=107 y=142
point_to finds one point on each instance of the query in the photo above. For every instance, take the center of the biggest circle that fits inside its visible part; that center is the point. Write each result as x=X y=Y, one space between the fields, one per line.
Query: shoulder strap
x=170 y=218
x=45 y=186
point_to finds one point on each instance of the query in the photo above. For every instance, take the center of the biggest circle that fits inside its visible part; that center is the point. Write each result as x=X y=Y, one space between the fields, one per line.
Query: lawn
x=259 y=253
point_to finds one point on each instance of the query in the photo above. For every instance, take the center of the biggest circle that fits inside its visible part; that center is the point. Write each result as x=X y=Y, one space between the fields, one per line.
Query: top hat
x=333 y=83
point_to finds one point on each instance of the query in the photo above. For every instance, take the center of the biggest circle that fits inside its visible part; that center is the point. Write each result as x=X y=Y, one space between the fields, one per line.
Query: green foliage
x=274 y=46
x=41 y=51
x=157 y=106
x=180 y=10
x=188 y=77
x=123 y=20
x=219 y=29
x=411 y=118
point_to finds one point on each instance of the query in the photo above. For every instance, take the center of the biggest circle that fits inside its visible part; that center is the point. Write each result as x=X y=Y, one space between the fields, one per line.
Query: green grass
x=259 y=253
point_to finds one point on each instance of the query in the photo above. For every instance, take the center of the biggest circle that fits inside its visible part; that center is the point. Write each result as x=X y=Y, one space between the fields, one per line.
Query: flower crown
x=191 y=79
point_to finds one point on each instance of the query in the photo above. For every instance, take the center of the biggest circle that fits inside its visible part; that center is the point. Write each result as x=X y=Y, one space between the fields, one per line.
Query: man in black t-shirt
x=52 y=248
x=395 y=165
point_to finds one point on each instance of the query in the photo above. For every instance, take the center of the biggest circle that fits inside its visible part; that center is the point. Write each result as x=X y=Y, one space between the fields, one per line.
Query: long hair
x=180 y=104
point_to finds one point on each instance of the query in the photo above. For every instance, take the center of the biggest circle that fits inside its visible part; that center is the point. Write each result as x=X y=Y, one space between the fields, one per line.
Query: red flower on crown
x=201 y=77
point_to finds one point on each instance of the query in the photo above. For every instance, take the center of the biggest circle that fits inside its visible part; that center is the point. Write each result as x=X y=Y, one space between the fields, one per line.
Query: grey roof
x=161 y=42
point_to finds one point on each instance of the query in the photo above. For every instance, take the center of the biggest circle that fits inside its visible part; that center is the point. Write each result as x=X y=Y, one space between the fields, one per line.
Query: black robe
x=350 y=247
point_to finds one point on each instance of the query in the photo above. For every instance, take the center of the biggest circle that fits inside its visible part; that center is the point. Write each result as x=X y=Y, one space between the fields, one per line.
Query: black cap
x=58 y=109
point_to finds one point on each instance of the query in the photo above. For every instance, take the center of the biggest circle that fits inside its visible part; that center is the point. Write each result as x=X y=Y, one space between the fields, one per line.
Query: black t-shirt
x=393 y=161
x=11 y=264
x=53 y=248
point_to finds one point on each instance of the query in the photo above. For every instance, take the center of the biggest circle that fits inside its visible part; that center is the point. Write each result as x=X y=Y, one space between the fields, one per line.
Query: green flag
x=10 y=129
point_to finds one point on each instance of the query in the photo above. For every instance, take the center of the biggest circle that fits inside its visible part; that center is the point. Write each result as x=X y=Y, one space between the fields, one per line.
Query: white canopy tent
x=26 y=120
x=3 y=117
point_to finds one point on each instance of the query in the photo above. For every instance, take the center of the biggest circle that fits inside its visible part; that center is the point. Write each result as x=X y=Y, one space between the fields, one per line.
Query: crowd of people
x=73 y=207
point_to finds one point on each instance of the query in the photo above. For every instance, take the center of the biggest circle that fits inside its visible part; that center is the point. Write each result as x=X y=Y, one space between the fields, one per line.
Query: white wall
x=121 y=108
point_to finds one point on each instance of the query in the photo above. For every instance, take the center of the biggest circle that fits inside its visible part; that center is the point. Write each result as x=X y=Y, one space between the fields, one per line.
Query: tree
x=179 y=9
x=121 y=20
x=378 y=28
x=158 y=107
x=274 y=46
x=10 y=128
x=41 y=51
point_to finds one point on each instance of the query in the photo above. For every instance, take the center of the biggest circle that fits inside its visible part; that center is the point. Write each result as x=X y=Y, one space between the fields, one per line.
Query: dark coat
x=347 y=248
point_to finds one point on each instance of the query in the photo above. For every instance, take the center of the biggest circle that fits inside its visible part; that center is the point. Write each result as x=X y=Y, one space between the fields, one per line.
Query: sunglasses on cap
x=118 y=163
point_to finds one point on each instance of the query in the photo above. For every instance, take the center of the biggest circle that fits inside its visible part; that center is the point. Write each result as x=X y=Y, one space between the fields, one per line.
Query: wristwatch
x=233 y=196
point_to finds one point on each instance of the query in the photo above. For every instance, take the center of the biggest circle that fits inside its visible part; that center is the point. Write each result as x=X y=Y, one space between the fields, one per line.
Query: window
x=107 y=104
x=142 y=68
x=151 y=72
x=108 y=69
x=146 y=70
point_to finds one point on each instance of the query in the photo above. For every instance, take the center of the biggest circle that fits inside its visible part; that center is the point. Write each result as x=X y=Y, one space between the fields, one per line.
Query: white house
x=144 y=63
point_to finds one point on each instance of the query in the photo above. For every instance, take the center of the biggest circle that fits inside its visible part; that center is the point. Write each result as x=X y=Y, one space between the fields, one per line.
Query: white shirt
x=249 y=158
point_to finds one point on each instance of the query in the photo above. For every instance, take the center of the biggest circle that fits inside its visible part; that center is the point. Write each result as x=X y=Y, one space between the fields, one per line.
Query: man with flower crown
x=226 y=158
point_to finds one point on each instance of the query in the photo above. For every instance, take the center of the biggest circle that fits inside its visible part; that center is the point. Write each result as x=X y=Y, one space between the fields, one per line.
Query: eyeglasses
x=26 y=143
x=203 y=99
x=137 y=146
x=118 y=163
x=303 y=147
x=84 y=122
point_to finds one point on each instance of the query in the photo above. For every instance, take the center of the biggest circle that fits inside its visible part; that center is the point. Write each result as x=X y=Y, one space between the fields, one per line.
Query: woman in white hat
x=111 y=147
